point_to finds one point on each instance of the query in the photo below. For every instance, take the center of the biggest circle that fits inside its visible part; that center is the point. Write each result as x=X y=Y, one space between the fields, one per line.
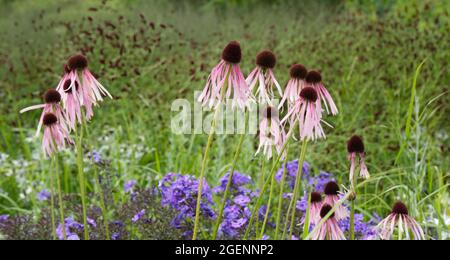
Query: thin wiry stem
x=280 y=196
x=202 y=173
x=297 y=184
x=230 y=180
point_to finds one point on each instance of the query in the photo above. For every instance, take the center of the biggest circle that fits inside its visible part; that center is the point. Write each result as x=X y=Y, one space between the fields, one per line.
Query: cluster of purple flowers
x=316 y=183
x=180 y=193
x=72 y=228
x=291 y=172
x=236 y=213
x=3 y=219
x=43 y=195
x=363 y=230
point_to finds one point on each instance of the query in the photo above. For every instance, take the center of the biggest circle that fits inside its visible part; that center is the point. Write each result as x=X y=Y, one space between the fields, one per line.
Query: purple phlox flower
x=363 y=230
x=71 y=228
x=43 y=195
x=3 y=219
x=129 y=185
x=291 y=172
x=265 y=238
x=91 y=222
x=237 y=182
x=180 y=193
x=115 y=236
x=95 y=156
x=317 y=183
x=138 y=216
x=242 y=200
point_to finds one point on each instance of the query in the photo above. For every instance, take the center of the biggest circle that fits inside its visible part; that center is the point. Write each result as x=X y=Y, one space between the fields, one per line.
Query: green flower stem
x=352 y=209
x=81 y=180
x=307 y=223
x=266 y=184
x=280 y=196
x=297 y=185
x=352 y=220
x=272 y=184
x=61 y=203
x=100 y=190
x=202 y=172
x=286 y=221
x=230 y=180
x=52 y=202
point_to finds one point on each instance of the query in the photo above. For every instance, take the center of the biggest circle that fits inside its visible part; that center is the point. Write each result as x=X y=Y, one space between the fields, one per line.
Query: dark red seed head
x=49 y=119
x=355 y=145
x=66 y=68
x=325 y=209
x=332 y=188
x=298 y=71
x=232 y=52
x=309 y=94
x=52 y=96
x=400 y=209
x=266 y=60
x=66 y=86
x=316 y=197
x=313 y=77
x=77 y=62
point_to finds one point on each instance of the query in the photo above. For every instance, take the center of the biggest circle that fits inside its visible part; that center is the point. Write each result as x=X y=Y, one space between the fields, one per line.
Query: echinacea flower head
x=55 y=134
x=355 y=148
x=332 y=198
x=271 y=133
x=296 y=83
x=316 y=206
x=226 y=80
x=263 y=79
x=72 y=102
x=330 y=230
x=399 y=218
x=314 y=79
x=52 y=104
x=306 y=112
x=89 y=91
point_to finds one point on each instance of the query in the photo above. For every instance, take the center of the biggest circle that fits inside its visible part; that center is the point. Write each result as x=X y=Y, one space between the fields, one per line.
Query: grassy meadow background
x=148 y=53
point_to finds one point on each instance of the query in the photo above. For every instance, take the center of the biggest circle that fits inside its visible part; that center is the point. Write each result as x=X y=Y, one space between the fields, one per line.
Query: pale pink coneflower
x=330 y=230
x=226 y=80
x=314 y=210
x=355 y=148
x=308 y=115
x=90 y=91
x=52 y=104
x=399 y=218
x=72 y=103
x=271 y=133
x=55 y=135
x=263 y=78
x=314 y=79
x=332 y=198
x=295 y=85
